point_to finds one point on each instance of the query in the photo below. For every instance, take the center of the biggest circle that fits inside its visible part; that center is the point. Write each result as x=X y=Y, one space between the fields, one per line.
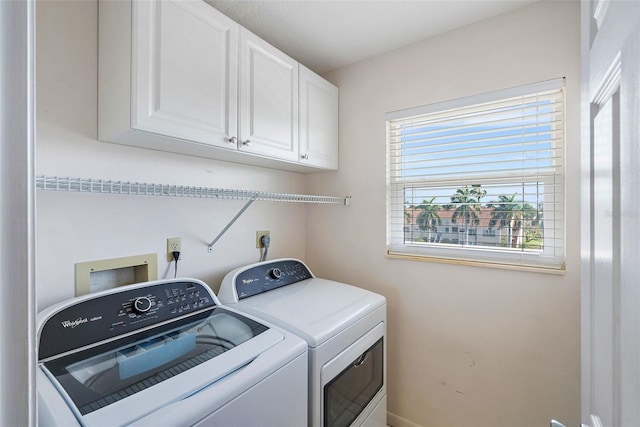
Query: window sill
x=485 y=264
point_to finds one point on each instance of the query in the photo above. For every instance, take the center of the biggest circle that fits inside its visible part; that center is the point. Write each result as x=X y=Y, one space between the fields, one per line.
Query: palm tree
x=522 y=221
x=466 y=202
x=537 y=226
x=504 y=214
x=408 y=220
x=428 y=218
x=513 y=216
x=479 y=193
x=533 y=219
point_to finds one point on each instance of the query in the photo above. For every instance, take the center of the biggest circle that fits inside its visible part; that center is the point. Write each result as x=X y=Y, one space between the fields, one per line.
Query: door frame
x=17 y=213
x=610 y=44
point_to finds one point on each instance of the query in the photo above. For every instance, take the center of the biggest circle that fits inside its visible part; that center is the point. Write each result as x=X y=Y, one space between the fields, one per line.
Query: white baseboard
x=397 y=421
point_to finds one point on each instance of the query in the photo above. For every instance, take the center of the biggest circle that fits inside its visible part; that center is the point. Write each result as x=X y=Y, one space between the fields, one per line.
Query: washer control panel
x=266 y=277
x=93 y=320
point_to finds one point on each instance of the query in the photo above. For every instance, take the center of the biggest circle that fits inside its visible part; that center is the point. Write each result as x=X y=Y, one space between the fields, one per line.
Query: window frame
x=550 y=259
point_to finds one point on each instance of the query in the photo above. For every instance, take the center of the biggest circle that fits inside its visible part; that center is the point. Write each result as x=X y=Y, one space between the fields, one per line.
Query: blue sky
x=514 y=139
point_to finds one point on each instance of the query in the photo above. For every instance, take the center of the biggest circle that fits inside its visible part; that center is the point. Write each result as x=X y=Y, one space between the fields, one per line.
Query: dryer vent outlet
x=259 y=235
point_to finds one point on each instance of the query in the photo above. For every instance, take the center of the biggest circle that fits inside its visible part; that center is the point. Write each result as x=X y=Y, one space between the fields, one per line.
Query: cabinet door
x=318 y=120
x=268 y=99
x=184 y=70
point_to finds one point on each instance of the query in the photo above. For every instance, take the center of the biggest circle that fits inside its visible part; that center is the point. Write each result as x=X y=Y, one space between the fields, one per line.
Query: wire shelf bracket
x=90 y=185
x=229 y=224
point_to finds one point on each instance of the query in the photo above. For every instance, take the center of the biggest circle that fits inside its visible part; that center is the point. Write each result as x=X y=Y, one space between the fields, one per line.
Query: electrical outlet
x=174 y=244
x=259 y=235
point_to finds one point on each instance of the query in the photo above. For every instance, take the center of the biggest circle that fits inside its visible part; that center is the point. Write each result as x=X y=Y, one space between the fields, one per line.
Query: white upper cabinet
x=318 y=120
x=167 y=71
x=179 y=76
x=268 y=99
x=185 y=57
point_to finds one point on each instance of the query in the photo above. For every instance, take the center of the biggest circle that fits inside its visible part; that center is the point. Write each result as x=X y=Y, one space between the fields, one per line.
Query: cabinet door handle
x=232 y=140
x=246 y=142
x=304 y=156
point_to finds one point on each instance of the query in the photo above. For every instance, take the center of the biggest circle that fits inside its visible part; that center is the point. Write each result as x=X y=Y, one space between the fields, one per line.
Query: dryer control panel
x=265 y=277
x=95 y=319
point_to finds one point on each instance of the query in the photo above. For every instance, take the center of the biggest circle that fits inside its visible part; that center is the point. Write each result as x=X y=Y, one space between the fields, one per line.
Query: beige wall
x=73 y=227
x=468 y=346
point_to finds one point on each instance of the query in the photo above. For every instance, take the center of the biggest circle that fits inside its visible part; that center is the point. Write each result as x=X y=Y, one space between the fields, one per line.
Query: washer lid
x=314 y=309
x=125 y=379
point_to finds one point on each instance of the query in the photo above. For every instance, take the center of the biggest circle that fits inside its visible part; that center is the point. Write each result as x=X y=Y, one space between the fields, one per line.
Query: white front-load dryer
x=343 y=325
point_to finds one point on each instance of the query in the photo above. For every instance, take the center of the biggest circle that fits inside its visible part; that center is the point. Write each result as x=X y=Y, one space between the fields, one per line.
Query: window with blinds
x=480 y=179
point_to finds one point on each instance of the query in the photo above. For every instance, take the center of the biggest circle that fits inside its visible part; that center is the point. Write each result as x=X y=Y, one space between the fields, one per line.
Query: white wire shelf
x=90 y=185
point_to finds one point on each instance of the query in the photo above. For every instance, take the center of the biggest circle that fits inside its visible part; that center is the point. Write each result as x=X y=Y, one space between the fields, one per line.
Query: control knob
x=141 y=305
x=275 y=273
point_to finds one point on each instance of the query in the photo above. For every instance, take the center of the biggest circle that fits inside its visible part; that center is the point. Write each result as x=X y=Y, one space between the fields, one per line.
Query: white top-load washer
x=344 y=327
x=165 y=353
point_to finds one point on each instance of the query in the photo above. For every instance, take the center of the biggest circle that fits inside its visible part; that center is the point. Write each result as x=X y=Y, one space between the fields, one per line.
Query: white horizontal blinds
x=485 y=177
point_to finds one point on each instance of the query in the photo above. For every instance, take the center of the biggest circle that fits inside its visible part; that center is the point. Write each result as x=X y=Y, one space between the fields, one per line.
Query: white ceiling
x=329 y=34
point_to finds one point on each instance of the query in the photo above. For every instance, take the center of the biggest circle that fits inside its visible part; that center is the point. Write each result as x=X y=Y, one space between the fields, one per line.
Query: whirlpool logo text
x=73 y=323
